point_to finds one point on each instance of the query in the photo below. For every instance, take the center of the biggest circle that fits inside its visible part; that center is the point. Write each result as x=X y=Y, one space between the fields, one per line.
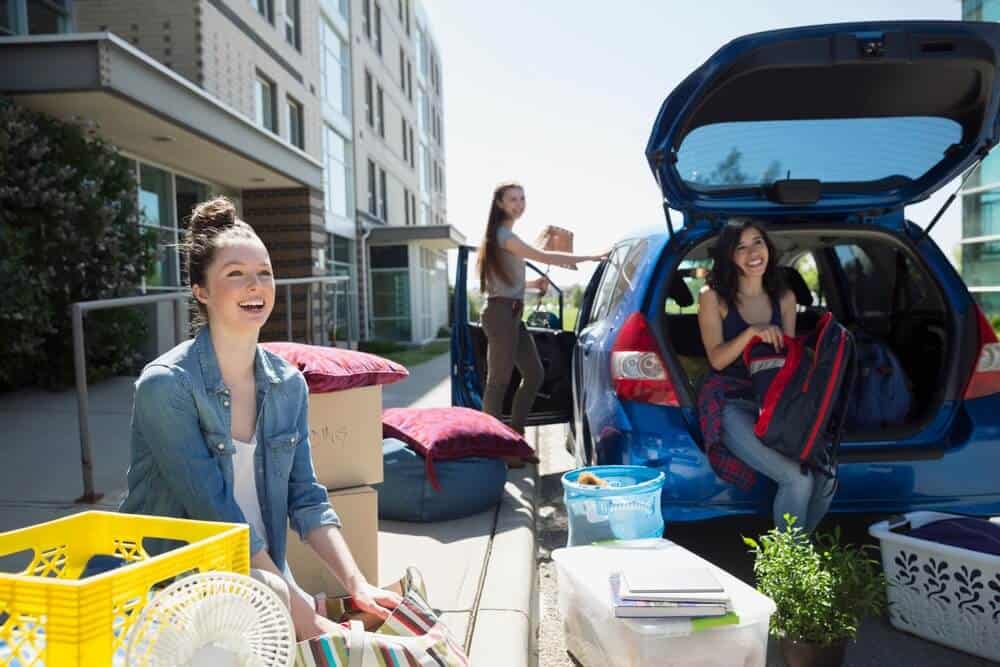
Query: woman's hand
x=770 y=334
x=375 y=600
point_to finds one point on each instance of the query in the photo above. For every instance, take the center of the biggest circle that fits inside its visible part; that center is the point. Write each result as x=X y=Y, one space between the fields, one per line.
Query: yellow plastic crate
x=50 y=617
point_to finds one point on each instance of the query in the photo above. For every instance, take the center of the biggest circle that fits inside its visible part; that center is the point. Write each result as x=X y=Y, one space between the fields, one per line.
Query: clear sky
x=561 y=95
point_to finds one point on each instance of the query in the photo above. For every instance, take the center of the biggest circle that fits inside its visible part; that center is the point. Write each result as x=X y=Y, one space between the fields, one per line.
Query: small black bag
x=803 y=391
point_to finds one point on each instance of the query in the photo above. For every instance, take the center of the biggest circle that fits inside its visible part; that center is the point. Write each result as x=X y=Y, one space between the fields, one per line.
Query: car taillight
x=637 y=368
x=985 y=378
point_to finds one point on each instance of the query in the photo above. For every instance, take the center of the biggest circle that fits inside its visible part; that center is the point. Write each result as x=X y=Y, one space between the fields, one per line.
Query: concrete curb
x=506 y=618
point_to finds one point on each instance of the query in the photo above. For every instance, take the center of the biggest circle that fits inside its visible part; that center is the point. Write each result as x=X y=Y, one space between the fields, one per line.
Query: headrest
x=679 y=292
x=795 y=282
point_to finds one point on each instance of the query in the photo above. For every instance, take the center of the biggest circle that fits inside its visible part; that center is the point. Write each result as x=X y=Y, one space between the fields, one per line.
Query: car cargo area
x=873 y=283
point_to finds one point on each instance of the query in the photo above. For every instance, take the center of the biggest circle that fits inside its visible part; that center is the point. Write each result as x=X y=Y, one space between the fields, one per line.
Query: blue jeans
x=805 y=495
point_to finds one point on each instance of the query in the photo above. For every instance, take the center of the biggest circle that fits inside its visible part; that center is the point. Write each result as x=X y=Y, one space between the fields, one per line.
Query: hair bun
x=213 y=216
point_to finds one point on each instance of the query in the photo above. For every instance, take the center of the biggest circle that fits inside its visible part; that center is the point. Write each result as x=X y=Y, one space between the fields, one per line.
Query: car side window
x=626 y=279
x=809 y=270
x=612 y=271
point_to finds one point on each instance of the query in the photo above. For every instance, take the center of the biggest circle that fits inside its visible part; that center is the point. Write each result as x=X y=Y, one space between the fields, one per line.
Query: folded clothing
x=467 y=485
x=964 y=532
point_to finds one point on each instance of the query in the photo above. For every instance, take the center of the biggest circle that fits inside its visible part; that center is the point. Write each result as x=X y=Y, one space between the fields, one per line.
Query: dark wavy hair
x=725 y=275
x=488 y=259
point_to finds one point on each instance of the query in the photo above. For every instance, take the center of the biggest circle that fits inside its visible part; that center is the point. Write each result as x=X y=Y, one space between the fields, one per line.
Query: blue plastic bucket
x=627 y=509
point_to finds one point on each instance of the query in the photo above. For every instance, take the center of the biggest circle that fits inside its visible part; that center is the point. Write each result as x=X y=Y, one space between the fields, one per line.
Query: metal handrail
x=80 y=308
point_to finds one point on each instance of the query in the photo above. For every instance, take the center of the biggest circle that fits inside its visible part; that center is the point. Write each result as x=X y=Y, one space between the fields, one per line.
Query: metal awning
x=434 y=237
x=148 y=110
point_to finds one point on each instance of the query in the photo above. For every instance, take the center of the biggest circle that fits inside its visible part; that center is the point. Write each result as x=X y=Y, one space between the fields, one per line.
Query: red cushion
x=453 y=433
x=332 y=368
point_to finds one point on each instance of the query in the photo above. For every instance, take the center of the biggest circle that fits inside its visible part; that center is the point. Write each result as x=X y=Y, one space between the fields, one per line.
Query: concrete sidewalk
x=480 y=571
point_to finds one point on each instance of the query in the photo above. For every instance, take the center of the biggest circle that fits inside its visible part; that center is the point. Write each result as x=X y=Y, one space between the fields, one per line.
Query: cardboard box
x=358 y=511
x=345 y=432
x=556 y=239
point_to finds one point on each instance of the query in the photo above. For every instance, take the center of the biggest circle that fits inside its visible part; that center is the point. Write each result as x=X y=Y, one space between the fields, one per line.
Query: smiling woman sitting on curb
x=219 y=425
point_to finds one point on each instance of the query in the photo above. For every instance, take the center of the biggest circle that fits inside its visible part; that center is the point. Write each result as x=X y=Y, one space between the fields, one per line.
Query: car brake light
x=637 y=368
x=985 y=378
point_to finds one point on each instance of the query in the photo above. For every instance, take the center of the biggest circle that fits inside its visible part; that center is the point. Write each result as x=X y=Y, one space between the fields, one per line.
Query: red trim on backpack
x=779 y=384
x=825 y=405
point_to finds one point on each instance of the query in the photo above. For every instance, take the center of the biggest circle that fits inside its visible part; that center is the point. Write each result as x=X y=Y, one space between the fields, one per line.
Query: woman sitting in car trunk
x=745 y=298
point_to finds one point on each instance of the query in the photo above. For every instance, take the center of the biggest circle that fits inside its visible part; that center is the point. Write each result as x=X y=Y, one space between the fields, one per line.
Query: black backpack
x=804 y=392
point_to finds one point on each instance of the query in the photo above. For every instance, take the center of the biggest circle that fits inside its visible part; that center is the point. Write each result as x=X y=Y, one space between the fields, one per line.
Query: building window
x=413 y=206
x=390 y=292
x=334 y=69
x=295 y=124
x=406 y=4
x=157 y=214
x=406 y=207
x=266 y=9
x=35 y=17
x=293 y=32
x=383 y=196
x=343 y=310
x=366 y=18
x=425 y=169
x=265 y=93
x=369 y=101
x=413 y=161
x=405 y=145
x=409 y=80
x=339 y=181
x=402 y=69
x=372 y=190
x=378 y=29
x=380 y=111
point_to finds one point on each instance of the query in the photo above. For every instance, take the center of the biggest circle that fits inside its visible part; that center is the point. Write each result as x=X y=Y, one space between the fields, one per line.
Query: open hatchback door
x=829 y=119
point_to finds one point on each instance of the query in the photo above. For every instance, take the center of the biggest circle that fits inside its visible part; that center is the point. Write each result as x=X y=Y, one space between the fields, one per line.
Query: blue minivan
x=824 y=134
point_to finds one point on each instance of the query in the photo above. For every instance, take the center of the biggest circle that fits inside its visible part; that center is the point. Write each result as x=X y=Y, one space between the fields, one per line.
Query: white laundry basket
x=942 y=593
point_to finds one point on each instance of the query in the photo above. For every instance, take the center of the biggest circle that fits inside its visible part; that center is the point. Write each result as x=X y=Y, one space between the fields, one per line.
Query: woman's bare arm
x=522 y=249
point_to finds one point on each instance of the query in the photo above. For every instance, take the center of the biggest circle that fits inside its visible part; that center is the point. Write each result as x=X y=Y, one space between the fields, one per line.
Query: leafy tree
x=69 y=231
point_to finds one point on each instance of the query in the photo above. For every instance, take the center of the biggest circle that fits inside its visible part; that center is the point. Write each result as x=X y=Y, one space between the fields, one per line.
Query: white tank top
x=245 y=485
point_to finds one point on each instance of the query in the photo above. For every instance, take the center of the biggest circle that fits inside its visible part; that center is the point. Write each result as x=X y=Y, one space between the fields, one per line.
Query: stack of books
x=689 y=592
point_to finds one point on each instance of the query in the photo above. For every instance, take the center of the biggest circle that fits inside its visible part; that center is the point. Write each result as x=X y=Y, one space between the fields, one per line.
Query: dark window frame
x=372 y=190
x=383 y=196
x=378 y=29
x=380 y=110
x=266 y=9
x=293 y=11
x=369 y=99
x=366 y=18
x=295 y=112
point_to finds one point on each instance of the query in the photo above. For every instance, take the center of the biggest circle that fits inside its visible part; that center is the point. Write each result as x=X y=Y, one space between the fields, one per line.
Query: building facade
x=400 y=241
x=980 y=246
x=272 y=103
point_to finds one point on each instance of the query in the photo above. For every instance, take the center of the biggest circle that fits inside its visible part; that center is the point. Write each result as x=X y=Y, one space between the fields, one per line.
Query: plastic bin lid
x=590 y=566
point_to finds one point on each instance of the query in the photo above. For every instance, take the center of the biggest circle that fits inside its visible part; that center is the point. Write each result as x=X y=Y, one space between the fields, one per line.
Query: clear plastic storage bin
x=597 y=638
x=627 y=509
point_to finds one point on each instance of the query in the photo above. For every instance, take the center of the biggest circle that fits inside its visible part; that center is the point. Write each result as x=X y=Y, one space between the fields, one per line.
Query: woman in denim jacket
x=219 y=427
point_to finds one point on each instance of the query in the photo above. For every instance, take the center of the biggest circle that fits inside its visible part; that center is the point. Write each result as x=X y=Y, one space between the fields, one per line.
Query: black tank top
x=733 y=325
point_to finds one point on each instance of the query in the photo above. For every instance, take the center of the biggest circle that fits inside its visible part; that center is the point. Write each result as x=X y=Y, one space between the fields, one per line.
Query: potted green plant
x=823 y=590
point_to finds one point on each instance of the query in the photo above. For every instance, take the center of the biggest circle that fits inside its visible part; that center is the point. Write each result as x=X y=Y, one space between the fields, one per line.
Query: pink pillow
x=453 y=433
x=331 y=368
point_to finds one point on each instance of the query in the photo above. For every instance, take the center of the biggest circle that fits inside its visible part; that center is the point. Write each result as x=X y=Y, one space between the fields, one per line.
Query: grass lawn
x=411 y=356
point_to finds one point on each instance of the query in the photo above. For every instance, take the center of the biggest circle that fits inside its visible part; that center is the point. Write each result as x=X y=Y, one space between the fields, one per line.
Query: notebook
x=673 y=585
x=630 y=608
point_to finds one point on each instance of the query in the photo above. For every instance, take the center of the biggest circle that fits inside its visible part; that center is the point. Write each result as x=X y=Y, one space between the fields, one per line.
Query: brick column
x=290 y=222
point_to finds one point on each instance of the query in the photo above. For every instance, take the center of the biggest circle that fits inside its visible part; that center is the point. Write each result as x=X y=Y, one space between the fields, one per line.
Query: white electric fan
x=213 y=619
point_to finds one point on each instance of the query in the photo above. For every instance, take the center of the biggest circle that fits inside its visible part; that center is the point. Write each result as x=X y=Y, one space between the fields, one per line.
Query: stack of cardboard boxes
x=345 y=431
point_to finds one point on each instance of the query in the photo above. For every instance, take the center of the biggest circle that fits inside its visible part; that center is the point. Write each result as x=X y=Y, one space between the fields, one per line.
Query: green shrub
x=69 y=231
x=381 y=346
x=823 y=589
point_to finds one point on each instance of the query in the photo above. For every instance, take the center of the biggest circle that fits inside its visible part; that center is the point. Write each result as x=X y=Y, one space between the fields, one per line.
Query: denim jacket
x=182 y=448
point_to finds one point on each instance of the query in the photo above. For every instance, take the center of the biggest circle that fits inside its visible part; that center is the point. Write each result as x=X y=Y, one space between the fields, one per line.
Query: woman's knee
x=277 y=584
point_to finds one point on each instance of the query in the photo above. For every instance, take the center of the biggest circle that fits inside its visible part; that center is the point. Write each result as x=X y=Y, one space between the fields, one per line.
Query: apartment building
x=402 y=245
x=302 y=111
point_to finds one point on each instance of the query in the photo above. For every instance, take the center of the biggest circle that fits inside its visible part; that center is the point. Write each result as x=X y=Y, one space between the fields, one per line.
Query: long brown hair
x=488 y=259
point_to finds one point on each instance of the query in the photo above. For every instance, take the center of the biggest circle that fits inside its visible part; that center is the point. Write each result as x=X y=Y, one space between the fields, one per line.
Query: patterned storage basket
x=939 y=592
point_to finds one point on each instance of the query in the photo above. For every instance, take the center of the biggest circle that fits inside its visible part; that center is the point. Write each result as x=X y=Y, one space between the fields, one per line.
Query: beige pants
x=508 y=344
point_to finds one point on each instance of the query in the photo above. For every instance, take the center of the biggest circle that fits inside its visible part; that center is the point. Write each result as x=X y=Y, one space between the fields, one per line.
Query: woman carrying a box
x=219 y=425
x=501 y=279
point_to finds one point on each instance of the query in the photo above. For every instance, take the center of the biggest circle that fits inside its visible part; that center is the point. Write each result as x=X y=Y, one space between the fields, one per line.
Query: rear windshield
x=836 y=150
